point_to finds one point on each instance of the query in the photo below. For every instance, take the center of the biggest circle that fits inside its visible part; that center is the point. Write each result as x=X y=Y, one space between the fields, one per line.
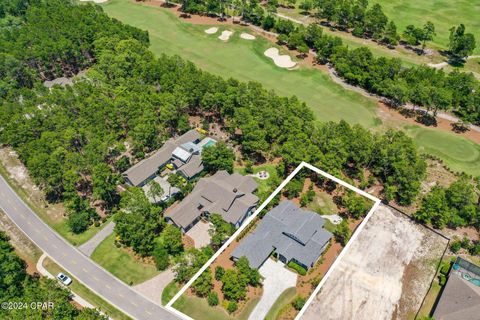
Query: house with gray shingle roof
x=184 y=152
x=293 y=233
x=230 y=195
x=460 y=298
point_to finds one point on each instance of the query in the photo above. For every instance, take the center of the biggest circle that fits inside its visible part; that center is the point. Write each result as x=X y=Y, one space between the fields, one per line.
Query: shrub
x=232 y=306
x=78 y=222
x=162 y=259
x=295 y=266
x=212 y=299
x=298 y=303
x=442 y=280
x=219 y=272
x=203 y=284
x=455 y=246
x=445 y=268
x=249 y=167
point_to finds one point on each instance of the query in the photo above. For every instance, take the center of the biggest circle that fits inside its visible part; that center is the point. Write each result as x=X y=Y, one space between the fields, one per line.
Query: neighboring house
x=460 y=299
x=183 y=152
x=293 y=233
x=168 y=190
x=230 y=195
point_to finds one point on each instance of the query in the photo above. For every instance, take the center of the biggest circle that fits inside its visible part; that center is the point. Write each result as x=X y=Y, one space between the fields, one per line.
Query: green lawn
x=443 y=13
x=244 y=60
x=458 y=153
x=198 y=308
x=323 y=204
x=265 y=187
x=284 y=299
x=122 y=264
x=85 y=293
x=59 y=226
x=169 y=292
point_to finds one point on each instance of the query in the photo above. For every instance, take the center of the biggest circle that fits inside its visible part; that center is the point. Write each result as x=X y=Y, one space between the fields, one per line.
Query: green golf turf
x=443 y=13
x=457 y=153
x=244 y=60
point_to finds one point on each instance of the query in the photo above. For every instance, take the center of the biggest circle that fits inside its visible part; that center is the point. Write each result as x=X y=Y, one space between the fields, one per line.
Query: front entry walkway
x=277 y=279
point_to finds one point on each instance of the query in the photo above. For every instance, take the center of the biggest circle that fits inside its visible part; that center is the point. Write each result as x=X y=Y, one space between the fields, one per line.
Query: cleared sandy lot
x=384 y=275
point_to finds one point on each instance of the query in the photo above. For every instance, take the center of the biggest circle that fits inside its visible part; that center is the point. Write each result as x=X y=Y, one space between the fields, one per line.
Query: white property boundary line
x=377 y=202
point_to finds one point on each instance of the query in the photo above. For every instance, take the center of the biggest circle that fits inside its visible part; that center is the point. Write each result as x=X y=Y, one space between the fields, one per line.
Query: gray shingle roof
x=147 y=167
x=460 y=300
x=294 y=233
x=216 y=194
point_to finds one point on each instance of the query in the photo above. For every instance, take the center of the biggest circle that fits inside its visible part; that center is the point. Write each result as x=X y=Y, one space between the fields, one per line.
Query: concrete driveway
x=153 y=288
x=277 y=279
x=199 y=234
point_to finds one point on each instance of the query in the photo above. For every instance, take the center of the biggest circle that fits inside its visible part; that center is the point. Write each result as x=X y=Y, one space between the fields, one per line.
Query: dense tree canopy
x=139 y=222
x=455 y=206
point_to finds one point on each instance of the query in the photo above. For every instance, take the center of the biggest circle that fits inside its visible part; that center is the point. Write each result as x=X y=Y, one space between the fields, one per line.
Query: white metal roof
x=181 y=154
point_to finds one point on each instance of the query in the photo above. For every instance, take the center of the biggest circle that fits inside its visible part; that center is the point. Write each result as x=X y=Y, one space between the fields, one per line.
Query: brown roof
x=229 y=195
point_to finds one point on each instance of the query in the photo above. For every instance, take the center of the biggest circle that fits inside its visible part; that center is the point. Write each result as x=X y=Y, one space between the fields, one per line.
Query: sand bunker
x=96 y=1
x=211 y=30
x=247 y=36
x=282 y=61
x=225 y=35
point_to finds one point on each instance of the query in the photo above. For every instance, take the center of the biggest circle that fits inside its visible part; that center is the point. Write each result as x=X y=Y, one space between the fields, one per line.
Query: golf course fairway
x=245 y=60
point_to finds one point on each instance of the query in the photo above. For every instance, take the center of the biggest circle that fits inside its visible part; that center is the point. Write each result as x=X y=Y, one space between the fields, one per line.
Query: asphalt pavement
x=76 y=263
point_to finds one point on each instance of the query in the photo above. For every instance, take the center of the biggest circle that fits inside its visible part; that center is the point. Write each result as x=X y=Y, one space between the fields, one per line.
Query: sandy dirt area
x=384 y=275
x=19 y=174
x=280 y=60
x=211 y=30
x=225 y=35
x=247 y=36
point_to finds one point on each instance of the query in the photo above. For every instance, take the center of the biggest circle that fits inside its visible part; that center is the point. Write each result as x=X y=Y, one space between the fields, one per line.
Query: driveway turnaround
x=200 y=234
x=80 y=266
x=276 y=280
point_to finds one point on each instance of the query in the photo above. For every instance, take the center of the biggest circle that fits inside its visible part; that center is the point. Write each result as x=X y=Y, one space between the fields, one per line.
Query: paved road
x=80 y=266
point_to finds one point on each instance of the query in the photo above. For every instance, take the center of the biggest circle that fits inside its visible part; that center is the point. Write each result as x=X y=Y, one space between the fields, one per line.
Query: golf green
x=457 y=153
x=244 y=60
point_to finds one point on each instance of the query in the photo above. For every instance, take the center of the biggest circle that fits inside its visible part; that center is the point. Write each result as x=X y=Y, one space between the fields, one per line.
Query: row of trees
x=16 y=286
x=421 y=85
x=363 y=21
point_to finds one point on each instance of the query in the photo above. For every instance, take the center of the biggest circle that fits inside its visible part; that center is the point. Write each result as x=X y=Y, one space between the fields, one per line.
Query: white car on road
x=64 y=279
